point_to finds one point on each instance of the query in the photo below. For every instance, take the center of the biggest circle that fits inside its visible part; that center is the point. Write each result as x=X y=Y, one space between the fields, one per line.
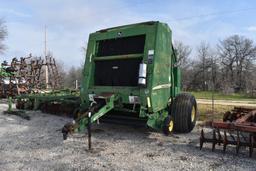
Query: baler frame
x=154 y=101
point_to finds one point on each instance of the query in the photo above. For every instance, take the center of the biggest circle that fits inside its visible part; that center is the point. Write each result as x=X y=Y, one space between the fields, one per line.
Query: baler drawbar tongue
x=101 y=105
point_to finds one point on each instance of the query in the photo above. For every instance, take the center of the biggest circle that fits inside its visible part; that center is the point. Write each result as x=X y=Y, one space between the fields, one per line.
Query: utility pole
x=213 y=85
x=76 y=84
x=46 y=62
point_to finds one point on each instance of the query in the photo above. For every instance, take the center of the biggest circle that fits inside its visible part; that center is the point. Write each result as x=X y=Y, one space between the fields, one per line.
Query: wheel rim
x=170 y=128
x=193 y=114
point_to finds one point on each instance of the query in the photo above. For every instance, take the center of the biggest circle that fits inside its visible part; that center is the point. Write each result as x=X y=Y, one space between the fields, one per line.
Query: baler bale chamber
x=130 y=73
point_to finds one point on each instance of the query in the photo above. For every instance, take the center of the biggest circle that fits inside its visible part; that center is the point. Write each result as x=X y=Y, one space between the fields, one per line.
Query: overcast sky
x=70 y=21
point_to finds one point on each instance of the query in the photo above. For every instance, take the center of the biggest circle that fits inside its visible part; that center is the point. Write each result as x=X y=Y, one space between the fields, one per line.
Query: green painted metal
x=156 y=119
x=34 y=101
x=10 y=104
x=3 y=73
x=83 y=122
x=177 y=80
x=163 y=79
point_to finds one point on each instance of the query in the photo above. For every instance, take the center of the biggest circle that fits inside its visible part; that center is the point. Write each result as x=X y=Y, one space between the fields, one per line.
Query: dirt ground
x=37 y=144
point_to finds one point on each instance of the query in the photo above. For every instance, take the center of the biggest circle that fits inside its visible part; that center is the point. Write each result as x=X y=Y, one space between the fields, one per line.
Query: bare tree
x=237 y=55
x=74 y=73
x=202 y=66
x=61 y=72
x=3 y=35
x=182 y=52
x=230 y=67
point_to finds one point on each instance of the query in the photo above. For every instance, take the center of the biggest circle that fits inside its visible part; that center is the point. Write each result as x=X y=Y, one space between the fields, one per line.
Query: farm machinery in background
x=58 y=102
x=24 y=80
x=25 y=75
x=238 y=128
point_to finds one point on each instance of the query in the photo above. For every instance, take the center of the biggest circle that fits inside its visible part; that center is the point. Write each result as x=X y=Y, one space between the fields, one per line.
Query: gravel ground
x=37 y=145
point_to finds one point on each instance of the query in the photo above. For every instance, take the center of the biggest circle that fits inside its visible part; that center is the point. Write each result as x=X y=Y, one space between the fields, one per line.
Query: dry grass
x=221 y=96
x=205 y=111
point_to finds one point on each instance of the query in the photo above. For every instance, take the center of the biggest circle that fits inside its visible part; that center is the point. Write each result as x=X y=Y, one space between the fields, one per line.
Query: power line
x=212 y=14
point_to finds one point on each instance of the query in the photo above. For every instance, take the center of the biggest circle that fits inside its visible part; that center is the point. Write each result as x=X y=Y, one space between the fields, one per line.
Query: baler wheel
x=168 y=125
x=184 y=112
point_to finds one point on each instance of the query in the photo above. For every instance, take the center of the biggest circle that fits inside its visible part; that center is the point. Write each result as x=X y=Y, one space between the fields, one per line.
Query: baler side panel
x=150 y=45
x=161 y=82
x=177 y=80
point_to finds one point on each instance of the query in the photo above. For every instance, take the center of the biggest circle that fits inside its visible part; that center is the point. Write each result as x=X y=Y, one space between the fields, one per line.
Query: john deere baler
x=130 y=70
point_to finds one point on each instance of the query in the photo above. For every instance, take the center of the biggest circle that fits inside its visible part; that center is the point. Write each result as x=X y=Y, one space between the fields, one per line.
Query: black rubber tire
x=167 y=121
x=181 y=111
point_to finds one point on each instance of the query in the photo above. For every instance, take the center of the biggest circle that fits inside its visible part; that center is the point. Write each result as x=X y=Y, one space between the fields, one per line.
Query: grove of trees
x=229 y=67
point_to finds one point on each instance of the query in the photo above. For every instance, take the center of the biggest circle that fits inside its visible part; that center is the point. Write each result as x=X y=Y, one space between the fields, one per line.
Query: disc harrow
x=238 y=129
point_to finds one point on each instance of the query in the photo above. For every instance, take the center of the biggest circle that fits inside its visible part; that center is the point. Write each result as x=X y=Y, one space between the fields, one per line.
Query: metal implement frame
x=55 y=102
x=238 y=128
